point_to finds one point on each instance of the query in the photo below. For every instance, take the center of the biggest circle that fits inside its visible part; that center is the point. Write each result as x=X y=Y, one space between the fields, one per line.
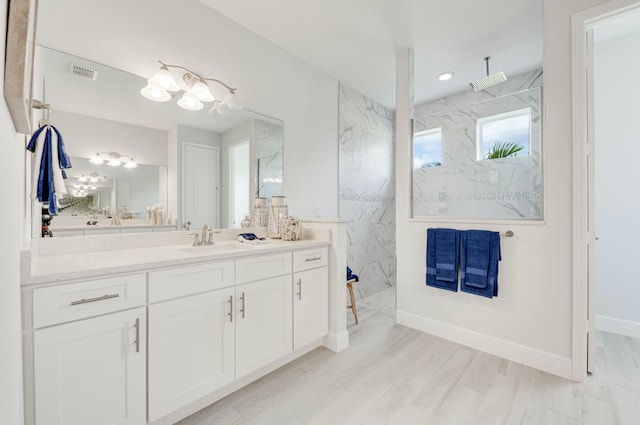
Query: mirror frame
x=18 y=65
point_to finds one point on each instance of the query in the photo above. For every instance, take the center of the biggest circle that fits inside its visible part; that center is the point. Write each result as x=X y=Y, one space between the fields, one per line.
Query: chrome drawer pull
x=312 y=259
x=230 y=308
x=242 y=309
x=299 y=289
x=91 y=300
x=137 y=335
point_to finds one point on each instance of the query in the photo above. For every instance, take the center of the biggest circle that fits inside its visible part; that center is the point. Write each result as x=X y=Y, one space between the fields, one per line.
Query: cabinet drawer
x=263 y=267
x=309 y=259
x=182 y=281
x=79 y=300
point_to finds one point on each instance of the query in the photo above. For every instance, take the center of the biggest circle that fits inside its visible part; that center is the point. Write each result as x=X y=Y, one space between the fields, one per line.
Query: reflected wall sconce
x=91 y=178
x=196 y=93
x=113 y=159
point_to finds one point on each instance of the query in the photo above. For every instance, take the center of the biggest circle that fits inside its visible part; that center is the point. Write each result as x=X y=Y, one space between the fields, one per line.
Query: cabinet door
x=191 y=349
x=310 y=309
x=263 y=328
x=92 y=371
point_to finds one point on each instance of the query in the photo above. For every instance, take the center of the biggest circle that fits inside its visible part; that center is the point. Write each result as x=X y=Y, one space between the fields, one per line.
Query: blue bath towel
x=479 y=257
x=432 y=271
x=447 y=251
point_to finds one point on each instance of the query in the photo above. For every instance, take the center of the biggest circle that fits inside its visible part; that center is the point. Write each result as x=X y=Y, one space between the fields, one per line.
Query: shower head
x=490 y=80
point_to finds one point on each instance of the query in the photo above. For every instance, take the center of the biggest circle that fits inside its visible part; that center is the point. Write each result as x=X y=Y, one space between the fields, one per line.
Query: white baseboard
x=336 y=342
x=618 y=326
x=542 y=360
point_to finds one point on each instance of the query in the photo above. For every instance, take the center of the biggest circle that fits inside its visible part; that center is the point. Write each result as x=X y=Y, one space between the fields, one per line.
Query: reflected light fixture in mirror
x=113 y=159
x=195 y=93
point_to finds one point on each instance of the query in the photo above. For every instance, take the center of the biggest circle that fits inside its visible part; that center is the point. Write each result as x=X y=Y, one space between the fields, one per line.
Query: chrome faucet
x=207 y=235
x=206 y=238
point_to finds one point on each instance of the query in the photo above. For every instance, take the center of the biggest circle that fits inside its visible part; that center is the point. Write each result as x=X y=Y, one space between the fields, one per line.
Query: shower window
x=427 y=148
x=504 y=135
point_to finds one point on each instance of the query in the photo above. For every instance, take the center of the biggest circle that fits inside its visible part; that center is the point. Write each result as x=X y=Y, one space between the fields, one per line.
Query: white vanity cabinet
x=92 y=370
x=153 y=347
x=310 y=296
x=263 y=311
x=191 y=339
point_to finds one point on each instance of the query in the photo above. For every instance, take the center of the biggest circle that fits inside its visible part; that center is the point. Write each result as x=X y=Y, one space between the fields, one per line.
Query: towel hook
x=508 y=233
x=36 y=104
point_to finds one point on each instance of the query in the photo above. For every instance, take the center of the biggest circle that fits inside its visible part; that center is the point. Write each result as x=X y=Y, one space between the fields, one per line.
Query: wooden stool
x=353 y=298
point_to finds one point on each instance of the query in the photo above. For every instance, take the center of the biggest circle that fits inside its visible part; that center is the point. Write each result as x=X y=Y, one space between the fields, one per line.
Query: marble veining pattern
x=367 y=189
x=463 y=187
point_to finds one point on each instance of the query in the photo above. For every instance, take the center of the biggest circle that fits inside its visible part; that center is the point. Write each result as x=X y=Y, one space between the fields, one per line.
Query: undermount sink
x=216 y=247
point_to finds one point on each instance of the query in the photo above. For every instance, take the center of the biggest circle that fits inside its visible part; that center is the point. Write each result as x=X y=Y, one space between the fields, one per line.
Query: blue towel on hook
x=431 y=257
x=479 y=257
x=447 y=251
x=46 y=192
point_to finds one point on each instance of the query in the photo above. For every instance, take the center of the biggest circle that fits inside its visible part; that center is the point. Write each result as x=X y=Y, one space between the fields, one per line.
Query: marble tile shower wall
x=269 y=138
x=463 y=187
x=367 y=189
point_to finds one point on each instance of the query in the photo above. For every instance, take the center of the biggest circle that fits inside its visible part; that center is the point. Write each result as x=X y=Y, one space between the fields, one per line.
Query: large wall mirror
x=99 y=110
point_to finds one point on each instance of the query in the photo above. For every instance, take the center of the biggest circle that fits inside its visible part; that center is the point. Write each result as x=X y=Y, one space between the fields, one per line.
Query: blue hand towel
x=479 y=256
x=431 y=275
x=447 y=250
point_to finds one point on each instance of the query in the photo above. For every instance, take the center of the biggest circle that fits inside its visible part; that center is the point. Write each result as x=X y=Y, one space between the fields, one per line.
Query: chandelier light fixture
x=113 y=159
x=195 y=94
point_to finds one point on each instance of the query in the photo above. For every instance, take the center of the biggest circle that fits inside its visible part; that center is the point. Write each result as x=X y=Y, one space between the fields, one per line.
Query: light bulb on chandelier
x=196 y=90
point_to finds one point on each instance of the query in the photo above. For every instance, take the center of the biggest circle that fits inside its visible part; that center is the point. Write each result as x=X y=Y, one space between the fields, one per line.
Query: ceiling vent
x=83 y=72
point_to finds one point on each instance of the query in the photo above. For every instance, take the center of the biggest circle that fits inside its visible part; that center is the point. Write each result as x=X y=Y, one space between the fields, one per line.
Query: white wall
x=14 y=233
x=617 y=103
x=531 y=320
x=269 y=80
x=84 y=136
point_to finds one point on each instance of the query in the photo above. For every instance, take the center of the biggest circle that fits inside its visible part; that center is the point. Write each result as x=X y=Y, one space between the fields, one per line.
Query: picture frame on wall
x=19 y=58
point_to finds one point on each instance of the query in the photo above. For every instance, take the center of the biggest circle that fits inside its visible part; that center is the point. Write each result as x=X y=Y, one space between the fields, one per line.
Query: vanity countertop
x=114 y=254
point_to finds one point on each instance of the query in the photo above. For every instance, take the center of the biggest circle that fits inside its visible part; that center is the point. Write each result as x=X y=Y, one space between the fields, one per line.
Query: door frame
x=183 y=204
x=580 y=23
x=231 y=195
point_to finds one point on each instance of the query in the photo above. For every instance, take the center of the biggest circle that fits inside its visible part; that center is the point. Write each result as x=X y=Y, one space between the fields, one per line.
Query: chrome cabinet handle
x=242 y=309
x=137 y=335
x=312 y=259
x=230 y=308
x=299 y=283
x=91 y=300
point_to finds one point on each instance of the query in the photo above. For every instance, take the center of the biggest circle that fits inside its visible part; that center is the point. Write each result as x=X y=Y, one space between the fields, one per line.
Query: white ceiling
x=354 y=40
x=351 y=40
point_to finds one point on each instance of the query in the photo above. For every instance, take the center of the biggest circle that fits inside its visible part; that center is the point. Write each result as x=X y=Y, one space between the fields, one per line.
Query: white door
x=92 y=371
x=191 y=349
x=310 y=310
x=200 y=176
x=239 y=182
x=591 y=208
x=263 y=326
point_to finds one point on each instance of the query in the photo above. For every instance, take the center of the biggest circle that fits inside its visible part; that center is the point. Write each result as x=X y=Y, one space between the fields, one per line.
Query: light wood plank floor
x=395 y=375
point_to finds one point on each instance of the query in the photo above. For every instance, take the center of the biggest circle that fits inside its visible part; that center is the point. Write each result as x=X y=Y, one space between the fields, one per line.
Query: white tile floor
x=395 y=375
